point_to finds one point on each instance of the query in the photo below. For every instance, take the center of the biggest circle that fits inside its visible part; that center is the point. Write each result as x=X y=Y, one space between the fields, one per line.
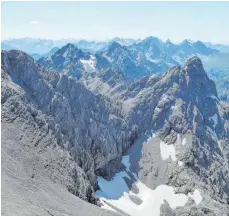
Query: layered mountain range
x=143 y=58
x=147 y=57
x=42 y=46
x=139 y=57
x=114 y=129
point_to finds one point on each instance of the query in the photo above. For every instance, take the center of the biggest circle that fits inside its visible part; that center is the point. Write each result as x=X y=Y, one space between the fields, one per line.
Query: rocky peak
x=187 y=47
x=16 y=54
x=21 y=61
x=189 y=84
x=66 y=60
x=69 y=46
x=168 y=41
x=192 y=80
x=116 y=52
x=115 y=45
x=169 y=47
x=197 y=77
x=185 y=42
x=70 y=50
x=200 y=44
x=192 y=85
x=194 y=65
x=153 y=40
x=203 y=49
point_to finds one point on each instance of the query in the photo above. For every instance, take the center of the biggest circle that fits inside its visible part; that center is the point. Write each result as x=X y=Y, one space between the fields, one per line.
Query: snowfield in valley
x=117 y=194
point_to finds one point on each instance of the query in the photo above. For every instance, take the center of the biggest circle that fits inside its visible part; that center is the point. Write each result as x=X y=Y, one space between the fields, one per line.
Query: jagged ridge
x=183 y=101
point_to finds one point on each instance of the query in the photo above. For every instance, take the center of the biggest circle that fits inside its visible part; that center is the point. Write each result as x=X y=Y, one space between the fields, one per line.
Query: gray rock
x=79 y=133
x=85 y=125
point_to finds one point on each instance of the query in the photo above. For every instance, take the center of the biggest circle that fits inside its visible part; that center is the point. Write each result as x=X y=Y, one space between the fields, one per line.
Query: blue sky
x=207 y=21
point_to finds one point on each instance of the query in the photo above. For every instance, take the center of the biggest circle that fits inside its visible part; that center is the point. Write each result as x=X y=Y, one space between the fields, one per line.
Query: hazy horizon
x=108 y=39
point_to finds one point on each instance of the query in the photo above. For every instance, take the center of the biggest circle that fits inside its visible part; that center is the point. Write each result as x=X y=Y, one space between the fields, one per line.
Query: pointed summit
x=203 y=49
x=26 y=67
x=197 y=78
x=66 y=60
x=194 y=68
x=168 y=41
x=114 y=45
x=185 y=42
x=69 y=51
x=114 y=48
x=195 y=60
x=152 y=40
x=193 y=79
x=69 y=46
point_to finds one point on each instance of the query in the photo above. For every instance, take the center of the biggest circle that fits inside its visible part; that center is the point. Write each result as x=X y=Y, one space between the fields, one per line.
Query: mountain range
x=43 y=46
x=142 y=58
x=164 y=134
x=130 y=128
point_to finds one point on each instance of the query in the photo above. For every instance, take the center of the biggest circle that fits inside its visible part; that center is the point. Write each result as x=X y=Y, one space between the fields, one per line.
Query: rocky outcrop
x=73 y=61
x=89 y=127
x=90 y=132
x=189 y=144
x=183 y=105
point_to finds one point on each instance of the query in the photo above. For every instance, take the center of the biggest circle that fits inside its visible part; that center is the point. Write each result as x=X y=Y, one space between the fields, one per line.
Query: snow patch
x=196 y=196
x=156 y=61
x=107 y=57
x=180 y=163
x=126 y=162
x=184 y=141
x=65 y=54
x=178 y=139
x=175 y=107
x=106 y=206
x=117 y=194
x=153 y=135
x=214 y=97
x=164 y=98
x=151 y=199
x=213 y=133
x=167 y=151
x=214 y=118
x=90 y=64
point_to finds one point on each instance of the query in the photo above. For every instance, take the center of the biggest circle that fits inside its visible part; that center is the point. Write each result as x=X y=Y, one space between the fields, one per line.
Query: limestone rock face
x=183 y=110
x=89 y=127
x=189 y=145
x=77 y=131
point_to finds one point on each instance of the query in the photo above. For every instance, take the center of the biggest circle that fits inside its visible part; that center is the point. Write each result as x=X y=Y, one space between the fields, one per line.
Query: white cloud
x=36 y=22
